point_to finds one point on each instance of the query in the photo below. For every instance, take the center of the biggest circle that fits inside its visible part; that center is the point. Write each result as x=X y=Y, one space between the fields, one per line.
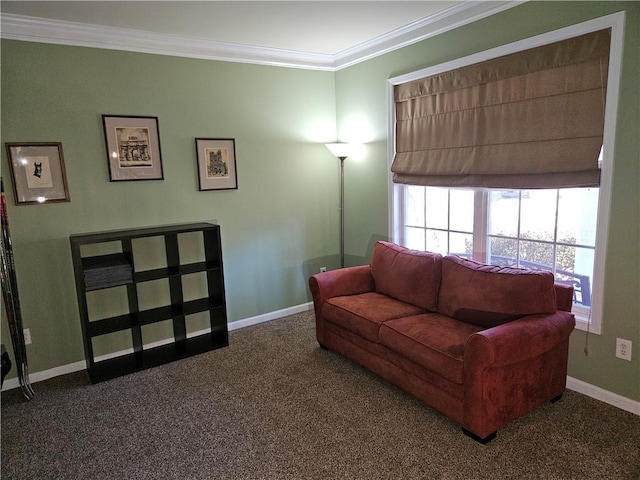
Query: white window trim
x=616 y=22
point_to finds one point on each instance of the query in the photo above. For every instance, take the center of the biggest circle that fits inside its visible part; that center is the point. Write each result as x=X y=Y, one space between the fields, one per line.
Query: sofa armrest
x=519 y=340
x=336 y=283
x=513 y=368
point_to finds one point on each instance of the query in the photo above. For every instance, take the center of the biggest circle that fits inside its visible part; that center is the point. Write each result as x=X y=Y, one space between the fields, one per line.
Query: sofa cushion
x=432 y=341
x=408 y=275
x=364 y=313
x=488 y=295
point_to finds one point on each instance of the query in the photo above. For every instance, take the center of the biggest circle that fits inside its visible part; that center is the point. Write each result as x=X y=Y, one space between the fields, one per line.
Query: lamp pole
x=342 y=211
x=341 y=151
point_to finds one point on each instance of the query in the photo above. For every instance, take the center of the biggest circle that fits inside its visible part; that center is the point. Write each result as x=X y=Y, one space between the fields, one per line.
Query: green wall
x=281 y=225
x=278 y=227
x=361 y=92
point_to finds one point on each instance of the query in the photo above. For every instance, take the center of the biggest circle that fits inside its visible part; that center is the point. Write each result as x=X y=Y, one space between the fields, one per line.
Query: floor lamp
x=341 y=151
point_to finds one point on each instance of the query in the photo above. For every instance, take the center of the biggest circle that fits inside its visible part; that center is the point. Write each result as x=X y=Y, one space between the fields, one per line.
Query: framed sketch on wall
x=216 y=158
x=133 y=148
x=37 y=171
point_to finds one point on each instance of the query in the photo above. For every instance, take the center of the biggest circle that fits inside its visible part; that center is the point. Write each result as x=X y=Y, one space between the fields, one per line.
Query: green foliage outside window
x=535 y=251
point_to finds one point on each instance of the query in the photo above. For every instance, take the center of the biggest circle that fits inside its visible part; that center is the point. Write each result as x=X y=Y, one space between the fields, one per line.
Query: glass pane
x=577 y=211
x=502 y=251
x=538 y=214
x=574 y=266
x=437 y=242
x=414 y=238
x=461 y=244
x=536 y=255
x=461 y=204
x=414 y=205
x=503 y=213
x=437 y=211
x=565 y=258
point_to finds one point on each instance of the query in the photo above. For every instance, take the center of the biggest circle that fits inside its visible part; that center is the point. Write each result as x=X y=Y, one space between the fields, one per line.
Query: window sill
x=582 y=323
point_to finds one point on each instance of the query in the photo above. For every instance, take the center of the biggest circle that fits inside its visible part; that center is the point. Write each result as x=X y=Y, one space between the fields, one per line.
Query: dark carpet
x=273 y=405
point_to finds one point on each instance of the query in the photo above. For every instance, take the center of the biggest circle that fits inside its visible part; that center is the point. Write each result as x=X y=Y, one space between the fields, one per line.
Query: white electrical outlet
x=27 y=336
x=323 y=269
x=623 y=348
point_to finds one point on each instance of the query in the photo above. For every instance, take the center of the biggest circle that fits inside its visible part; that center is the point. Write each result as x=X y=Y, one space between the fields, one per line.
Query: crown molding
x=449 y=19
x=32 y=29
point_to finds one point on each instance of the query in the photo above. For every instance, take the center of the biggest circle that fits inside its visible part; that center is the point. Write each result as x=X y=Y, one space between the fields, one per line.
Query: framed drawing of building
x=216 y=159
x=133 y=148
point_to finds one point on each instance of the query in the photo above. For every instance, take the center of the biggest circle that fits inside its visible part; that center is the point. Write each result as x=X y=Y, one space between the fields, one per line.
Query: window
x=552 y=230
x=438 y=219
x=563 y=230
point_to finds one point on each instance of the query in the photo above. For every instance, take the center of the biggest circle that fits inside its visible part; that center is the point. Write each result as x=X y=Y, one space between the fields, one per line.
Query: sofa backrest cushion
x=411 y=276
x=488 y=295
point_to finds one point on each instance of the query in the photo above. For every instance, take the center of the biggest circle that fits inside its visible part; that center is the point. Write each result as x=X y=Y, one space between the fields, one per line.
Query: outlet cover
x=27 y=336
x=623 y=349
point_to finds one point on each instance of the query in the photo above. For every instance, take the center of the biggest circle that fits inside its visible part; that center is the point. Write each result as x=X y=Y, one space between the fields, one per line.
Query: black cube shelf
x=115 y=270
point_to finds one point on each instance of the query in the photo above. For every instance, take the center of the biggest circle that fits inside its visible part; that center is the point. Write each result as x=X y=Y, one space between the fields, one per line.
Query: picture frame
x=216 y=162
x=133 y=148
x=38 y=172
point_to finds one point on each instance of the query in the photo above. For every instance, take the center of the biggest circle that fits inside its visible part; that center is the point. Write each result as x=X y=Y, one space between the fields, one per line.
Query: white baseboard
x=266 y=317
x=12 y=383
x=605 y=396
x=574 y=384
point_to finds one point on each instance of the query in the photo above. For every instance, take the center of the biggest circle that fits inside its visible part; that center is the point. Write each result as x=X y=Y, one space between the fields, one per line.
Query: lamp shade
x=340 y=150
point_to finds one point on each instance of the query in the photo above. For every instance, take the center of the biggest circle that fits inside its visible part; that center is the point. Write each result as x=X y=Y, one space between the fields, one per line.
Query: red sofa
x=481 y=344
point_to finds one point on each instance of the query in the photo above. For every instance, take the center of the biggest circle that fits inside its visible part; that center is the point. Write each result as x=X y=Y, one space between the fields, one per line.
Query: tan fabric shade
x=533 y=119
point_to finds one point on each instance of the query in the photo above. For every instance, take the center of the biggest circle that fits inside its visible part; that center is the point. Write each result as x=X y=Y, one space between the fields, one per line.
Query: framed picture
x=38 y=174
x=216 y=163
x=133 y=148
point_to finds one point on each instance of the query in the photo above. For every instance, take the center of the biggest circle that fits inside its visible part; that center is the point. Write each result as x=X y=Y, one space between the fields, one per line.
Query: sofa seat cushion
x=364 y=313
x=489 y=295
x=431 y=340
x=408 y=275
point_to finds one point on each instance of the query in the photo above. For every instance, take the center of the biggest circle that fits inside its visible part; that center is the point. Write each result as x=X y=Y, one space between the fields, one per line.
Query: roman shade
x=532 y=119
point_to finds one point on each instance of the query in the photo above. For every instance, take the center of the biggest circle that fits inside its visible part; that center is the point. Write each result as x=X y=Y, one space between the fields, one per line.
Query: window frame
x=616 y=21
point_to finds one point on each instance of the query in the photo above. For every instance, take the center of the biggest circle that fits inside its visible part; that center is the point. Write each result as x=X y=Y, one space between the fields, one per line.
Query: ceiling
x=324 y=34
